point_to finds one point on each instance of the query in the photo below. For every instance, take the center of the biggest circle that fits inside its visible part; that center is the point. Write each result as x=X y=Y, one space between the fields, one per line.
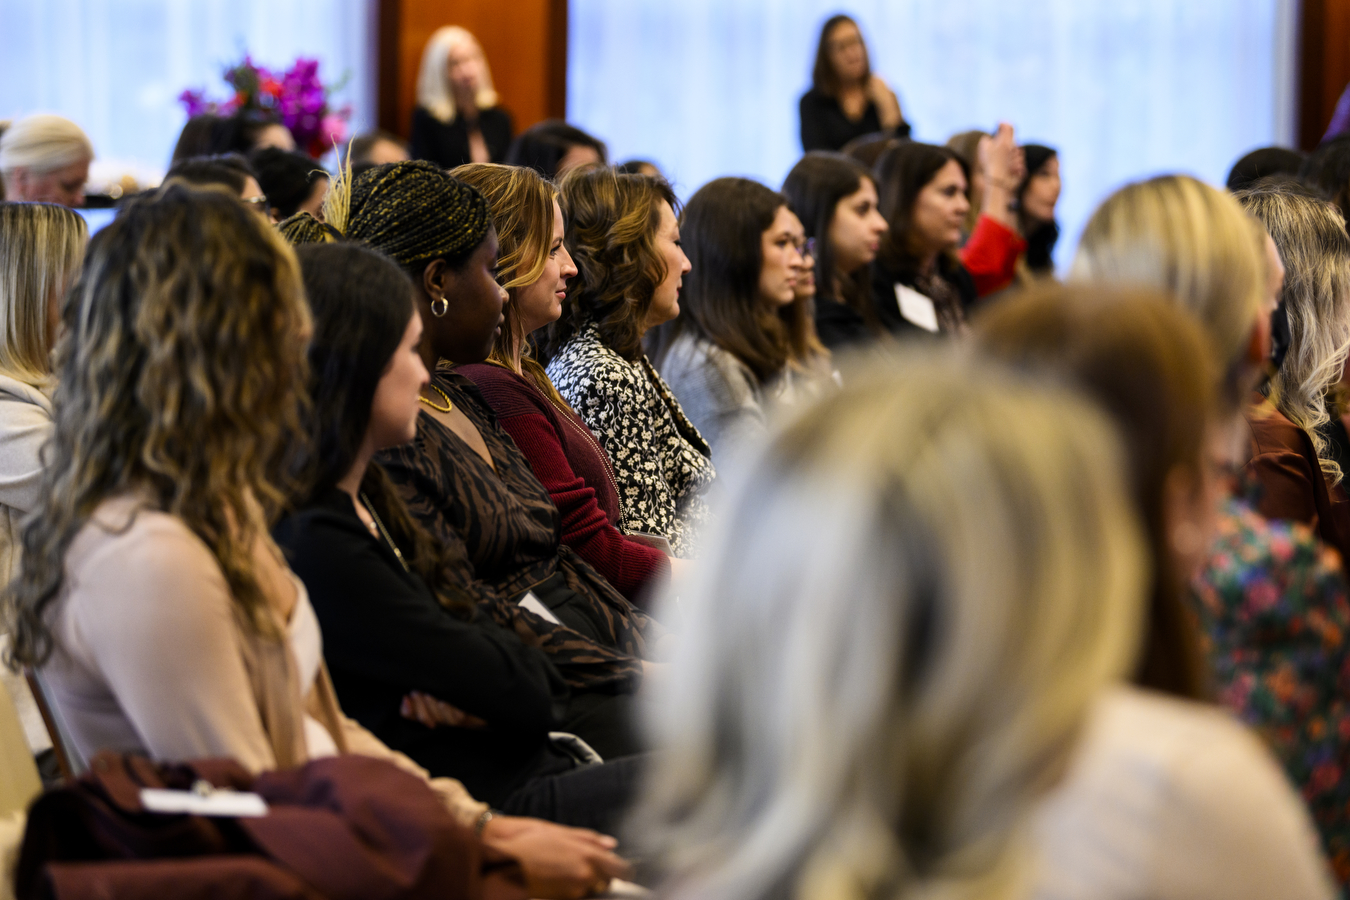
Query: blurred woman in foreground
x=938 y=566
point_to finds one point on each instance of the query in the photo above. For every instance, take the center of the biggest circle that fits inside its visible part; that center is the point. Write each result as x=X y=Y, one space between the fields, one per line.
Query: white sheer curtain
x=117 y=66
x=1123 y=89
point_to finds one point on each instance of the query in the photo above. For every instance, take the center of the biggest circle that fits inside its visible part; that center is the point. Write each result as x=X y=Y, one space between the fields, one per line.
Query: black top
x=839 y=325
x=825 y=127
x=385 y=634
x=887 y=307
x=447 y=144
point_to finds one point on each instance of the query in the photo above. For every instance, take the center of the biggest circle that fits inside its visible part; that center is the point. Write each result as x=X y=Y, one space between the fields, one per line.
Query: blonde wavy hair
x=433 y=87
x=1193 y=240
x=521 y=201
x=41 y=247
x=181 y=378
x=892 y=645
x=1310 y=235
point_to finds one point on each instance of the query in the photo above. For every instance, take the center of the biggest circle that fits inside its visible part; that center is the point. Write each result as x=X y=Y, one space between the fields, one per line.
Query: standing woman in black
x=918 y=283
x=847 y=99
x=457 y=119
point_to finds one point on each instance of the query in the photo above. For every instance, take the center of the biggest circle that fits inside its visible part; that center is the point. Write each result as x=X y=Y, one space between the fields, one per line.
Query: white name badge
x=916 y=308
x=536 y=606
x=216 y=803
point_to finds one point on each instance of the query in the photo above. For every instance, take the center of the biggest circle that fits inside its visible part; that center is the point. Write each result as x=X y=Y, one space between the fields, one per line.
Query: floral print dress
x=1272 y=603
x=662 y=465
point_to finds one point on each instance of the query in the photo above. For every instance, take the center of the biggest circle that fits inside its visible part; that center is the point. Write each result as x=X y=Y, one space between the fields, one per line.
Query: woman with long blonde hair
x=41 y=246
x=906 y=612
x=457 y=119
x=534 y=266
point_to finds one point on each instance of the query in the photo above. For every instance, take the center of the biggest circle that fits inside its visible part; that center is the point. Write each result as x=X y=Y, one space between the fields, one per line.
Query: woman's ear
x=436 y=279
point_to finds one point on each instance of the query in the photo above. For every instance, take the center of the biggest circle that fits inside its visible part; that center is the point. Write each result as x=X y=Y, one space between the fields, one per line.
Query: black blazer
x=385 y=634
x=447 y=144
x=884 y=280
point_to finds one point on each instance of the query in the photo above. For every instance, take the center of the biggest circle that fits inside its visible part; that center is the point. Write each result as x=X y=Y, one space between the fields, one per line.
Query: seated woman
x=918 y=282
x=553 y=148
x=1169 y=797
x=394 y=624
x=291 y=181
x=535 y=267
x=464 y=478
x=915 y=597
x=1269 y=599
x=835 y=198
x=847 y=99
x=625 y=240
x=1293 y=467
x=228 y=170
x=457 y=119
x=742 y=342
x=1037 y=195
x=160 y=615
x=41 y=246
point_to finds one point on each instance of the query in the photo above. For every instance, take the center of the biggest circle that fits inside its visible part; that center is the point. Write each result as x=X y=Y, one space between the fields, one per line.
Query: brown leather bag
x=342 y=828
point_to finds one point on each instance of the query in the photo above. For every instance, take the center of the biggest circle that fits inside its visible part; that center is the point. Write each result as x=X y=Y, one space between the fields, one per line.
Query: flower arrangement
x=296 y=98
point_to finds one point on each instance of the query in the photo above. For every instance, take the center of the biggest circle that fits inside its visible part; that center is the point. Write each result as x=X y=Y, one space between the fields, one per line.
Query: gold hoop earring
x=444 y=308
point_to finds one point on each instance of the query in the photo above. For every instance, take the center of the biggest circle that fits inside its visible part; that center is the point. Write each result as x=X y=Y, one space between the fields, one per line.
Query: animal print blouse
x=662 y=465
x=504 y=532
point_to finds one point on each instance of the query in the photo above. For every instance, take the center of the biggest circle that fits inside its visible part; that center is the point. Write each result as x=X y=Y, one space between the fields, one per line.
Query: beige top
x=152 y=657
x=1173 y=800
x=25 y=425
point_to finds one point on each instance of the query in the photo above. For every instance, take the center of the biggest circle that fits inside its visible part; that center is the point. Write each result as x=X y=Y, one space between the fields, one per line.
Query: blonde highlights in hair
x=1315 y=249
x=521 y=201
x=1186 y=237
x=41 y=246
x=912 y=599
x=182 y=380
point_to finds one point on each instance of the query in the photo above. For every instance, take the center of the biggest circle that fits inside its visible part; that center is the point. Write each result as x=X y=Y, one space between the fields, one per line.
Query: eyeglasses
x=257 y=204
x=807 y=247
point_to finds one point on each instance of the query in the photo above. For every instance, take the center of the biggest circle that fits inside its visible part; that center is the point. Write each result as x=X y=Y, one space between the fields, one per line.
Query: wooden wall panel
x=1324 y=67
x=525 y=42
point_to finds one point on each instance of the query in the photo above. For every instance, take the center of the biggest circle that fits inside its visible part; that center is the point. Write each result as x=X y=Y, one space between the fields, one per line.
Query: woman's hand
x=560 y=863
x=888 y=105
x=435 y=713
x=1004 y=165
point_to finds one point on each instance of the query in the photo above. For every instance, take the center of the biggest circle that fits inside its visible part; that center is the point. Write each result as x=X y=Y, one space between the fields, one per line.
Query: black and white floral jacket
x=662 y=465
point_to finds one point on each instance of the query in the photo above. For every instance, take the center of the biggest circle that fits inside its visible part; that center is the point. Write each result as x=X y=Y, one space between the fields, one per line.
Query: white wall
x=117 y=66
x=1124 y=88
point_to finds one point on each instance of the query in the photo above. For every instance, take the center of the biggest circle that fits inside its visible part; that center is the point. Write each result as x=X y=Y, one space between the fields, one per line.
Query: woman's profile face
x=393 y=411
x=540 y=303
x=1042 y=193
x=856 y=229
x=847 y=53
x=473 y=315
x=940 y=211
x=781 y=269
x=666 y=298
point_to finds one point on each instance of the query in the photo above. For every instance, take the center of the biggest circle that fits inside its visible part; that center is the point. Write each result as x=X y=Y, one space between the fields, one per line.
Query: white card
x=216 y=803
x=536 y=606
x=916 y=308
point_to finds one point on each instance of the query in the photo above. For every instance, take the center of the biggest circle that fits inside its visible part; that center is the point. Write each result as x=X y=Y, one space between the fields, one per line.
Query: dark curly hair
x=610 y=224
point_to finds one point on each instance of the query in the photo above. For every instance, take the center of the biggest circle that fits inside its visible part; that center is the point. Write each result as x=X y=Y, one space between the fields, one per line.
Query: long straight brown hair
x=722 y=228
x=1147 y=363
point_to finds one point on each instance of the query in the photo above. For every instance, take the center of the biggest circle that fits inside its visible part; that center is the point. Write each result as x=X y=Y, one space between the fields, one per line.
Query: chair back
x=72 y=766
x=21 y=782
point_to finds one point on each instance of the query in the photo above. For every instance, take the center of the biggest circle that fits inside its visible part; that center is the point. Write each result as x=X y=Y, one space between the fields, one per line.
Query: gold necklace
x=444 y=396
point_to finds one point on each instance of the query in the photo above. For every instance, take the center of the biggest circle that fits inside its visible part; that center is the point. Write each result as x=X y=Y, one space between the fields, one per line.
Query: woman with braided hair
x=462 y=477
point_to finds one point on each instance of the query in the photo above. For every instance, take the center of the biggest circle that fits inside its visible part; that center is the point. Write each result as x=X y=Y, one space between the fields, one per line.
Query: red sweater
x=990 y=256
x=568 y=461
